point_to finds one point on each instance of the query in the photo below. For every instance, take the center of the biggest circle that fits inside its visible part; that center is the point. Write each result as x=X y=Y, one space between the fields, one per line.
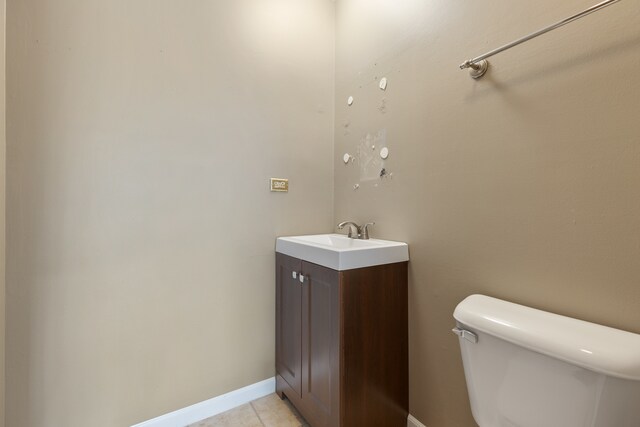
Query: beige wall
x=524 y=185
x=142 y=134
x=141 y=231
x=2 y=209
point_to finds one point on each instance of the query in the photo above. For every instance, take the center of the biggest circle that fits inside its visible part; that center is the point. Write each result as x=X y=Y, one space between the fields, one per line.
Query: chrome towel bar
x=479 y=64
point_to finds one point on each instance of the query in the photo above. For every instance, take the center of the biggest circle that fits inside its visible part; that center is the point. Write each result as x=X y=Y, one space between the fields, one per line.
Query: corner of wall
x=2 y=208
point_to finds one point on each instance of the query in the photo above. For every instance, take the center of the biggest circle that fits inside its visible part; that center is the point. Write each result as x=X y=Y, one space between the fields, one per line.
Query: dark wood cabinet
x=342 y=343
x=289 y=324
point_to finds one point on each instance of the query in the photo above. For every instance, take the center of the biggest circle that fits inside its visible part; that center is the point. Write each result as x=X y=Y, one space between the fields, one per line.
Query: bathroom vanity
x=341 y=330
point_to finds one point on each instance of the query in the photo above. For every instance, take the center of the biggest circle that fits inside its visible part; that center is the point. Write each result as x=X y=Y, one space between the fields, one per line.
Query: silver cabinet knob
x=294 y=275
x=301 y=278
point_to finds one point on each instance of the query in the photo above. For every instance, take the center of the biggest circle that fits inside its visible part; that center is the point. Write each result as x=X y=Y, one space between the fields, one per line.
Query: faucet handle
x=364 y=234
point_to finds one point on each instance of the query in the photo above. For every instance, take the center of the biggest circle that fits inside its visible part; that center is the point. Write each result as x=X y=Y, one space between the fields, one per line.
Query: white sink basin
x=338 y=252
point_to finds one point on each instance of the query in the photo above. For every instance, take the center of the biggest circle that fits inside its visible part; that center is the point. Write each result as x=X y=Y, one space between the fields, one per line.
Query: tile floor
x=270 y=411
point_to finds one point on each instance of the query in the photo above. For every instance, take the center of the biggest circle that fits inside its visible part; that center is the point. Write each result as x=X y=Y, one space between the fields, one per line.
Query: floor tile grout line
x=287 y=404
x=257 y=414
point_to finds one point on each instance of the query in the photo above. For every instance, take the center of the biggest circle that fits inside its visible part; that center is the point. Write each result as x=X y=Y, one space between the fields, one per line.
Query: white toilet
x=529 y=368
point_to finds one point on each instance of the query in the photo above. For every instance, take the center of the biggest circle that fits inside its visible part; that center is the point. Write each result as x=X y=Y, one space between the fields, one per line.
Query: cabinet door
x=320 y=345
x=289 y=321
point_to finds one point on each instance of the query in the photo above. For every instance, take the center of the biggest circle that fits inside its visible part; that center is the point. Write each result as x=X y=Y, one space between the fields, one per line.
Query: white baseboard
x=413 y=422
x=209 y=408
x=217 y=405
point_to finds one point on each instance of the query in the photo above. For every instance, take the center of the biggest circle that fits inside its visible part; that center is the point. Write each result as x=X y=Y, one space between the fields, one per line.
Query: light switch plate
x=279 y=185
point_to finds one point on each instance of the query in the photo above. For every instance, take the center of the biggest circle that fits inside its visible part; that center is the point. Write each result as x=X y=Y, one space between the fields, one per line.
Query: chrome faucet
x=356 y=231
x=352 y=226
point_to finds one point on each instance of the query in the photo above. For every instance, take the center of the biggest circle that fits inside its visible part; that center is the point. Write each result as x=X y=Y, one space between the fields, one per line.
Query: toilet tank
x=530 y=368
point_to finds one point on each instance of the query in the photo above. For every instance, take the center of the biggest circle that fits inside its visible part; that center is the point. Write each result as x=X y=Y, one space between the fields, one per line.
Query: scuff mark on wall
x=370 y=162
x=383 y=106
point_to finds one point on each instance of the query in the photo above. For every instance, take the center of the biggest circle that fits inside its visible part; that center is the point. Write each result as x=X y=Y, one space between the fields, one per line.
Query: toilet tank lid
x=594 y=347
